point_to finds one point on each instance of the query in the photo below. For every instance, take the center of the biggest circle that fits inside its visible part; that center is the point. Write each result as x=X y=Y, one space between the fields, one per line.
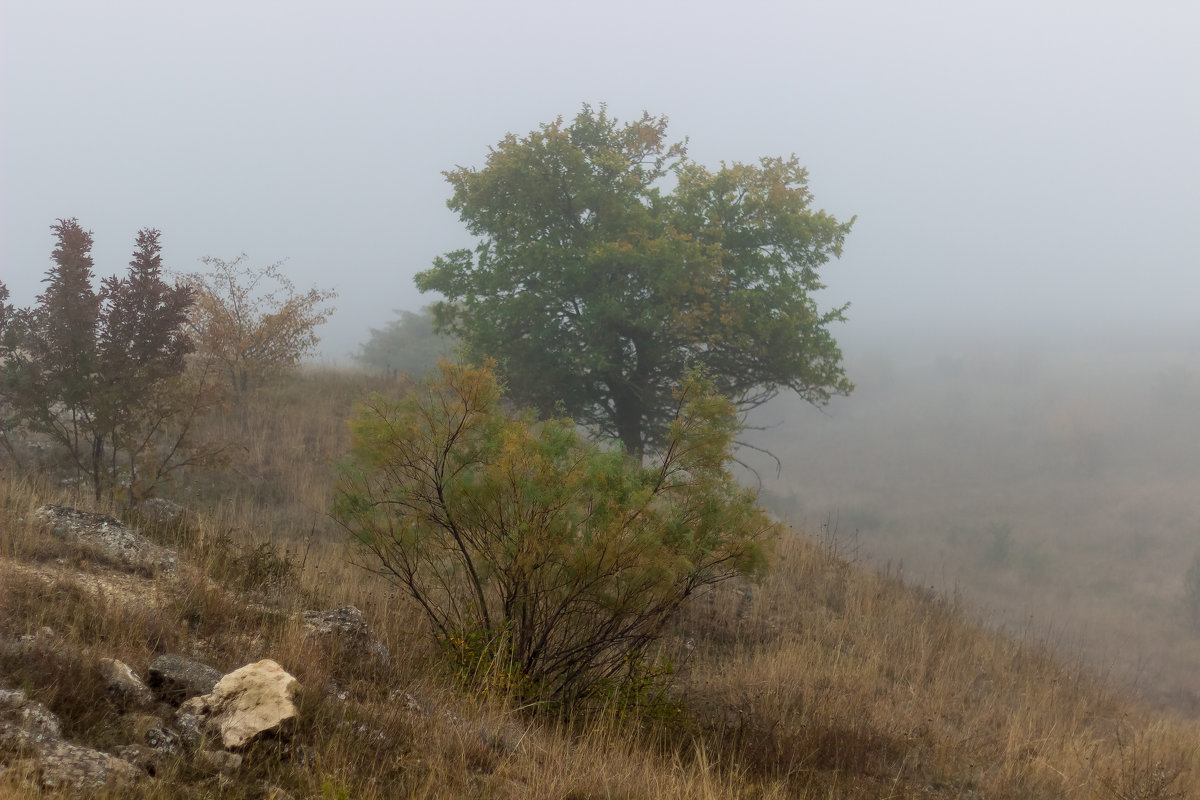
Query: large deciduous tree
x=609 y=265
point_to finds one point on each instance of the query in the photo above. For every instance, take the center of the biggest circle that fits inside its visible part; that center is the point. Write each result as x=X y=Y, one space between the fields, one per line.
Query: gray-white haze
x=1016 y=167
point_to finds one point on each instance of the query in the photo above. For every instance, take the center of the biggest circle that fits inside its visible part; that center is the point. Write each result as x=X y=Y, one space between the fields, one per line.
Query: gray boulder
x=24 y=720
x=108 y=538
x=346 y=625
x=31 y=746
x=175 y=678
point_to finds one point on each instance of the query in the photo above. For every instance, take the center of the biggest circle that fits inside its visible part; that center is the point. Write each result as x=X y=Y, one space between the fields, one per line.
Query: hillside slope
x=825 y=680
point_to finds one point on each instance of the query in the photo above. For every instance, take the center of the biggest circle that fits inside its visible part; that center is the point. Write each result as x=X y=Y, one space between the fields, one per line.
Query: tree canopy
x=609 y=265
x=100 y=373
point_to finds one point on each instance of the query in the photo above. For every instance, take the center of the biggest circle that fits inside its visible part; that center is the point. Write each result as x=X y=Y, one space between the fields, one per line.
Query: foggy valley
x=982 y=215
x=1051 y=486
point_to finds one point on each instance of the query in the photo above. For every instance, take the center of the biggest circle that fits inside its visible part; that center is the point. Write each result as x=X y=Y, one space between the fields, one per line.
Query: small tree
x=101 y=373
x=534 y=553
x=252 y=323
x=408 y=344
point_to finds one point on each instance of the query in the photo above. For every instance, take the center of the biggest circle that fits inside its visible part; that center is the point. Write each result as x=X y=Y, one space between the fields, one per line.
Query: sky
x=1018 y=169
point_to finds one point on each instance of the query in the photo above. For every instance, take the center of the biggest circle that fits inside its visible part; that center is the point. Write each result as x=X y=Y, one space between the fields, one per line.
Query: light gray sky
x=1014 y=165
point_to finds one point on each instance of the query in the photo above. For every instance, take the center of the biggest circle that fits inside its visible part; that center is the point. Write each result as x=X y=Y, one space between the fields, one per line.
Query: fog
x=1052 y=489
x=1025 y=176
x=1013 y=166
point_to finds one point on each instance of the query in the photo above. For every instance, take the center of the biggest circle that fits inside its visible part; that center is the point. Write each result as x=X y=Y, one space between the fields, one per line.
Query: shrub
x=101 y=374
x=252 y=323
x=537 y=555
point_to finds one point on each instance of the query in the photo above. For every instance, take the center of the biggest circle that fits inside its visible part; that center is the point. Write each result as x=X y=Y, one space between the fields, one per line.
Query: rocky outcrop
x=247 y=703
x=25 y=719
x=124 y=686
x=175 y=678
x=108 y=538
x=348 y=627
x=31 y=735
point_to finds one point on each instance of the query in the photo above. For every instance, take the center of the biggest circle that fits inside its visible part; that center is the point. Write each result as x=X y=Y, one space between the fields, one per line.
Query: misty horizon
x=1017 y=171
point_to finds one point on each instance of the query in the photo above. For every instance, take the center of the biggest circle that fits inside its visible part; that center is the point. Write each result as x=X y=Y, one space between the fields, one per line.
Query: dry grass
x=826 y=680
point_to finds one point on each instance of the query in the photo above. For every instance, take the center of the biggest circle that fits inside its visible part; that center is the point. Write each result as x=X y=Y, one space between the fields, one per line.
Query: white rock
x=249 y=701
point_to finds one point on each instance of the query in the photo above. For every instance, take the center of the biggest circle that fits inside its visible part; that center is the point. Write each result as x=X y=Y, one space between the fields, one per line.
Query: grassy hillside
x=1052 y=489
x=827 y=679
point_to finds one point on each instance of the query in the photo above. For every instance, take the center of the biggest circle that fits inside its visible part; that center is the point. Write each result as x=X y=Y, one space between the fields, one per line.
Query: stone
x=31 y=730
x=248 y=702
x=347 y=625
x=175 y=678
x=23 y=720
x=64 y=765
x=124 y=686
x=106 y=536
x=152 y=732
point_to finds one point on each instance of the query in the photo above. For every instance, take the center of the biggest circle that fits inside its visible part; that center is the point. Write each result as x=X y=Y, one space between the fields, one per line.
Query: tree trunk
x=97 y=464
x=627 y=417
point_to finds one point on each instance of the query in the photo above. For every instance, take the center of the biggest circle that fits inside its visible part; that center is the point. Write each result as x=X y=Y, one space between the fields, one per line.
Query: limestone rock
x=247 y=702
x=64 y=765
x=124 y=686
x=23 y=720
x=175 y=678
x=111 y=540
x=29 y=729
x=347 y=625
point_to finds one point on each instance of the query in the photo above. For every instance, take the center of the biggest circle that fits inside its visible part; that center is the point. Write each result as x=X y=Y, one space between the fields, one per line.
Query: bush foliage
x=101 y=373
x=536 y=554
x=251 y=322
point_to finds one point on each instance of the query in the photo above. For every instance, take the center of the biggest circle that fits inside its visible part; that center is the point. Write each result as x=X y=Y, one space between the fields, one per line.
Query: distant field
x=1056 y=491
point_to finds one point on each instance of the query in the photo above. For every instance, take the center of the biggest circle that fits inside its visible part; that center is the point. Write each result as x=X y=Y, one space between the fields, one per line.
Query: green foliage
x=535 y=554
x=597 y=292
x=406 y=345
x=100 y=372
